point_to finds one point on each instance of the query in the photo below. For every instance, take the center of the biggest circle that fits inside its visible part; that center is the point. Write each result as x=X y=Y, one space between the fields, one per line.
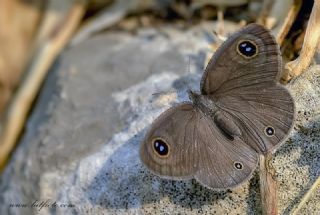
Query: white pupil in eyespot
x=161 y=148
x=270 y=131
x=248 y=49
x=238 y=165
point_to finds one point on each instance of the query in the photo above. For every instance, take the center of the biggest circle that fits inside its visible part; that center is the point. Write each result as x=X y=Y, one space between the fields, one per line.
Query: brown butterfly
x=242 y=112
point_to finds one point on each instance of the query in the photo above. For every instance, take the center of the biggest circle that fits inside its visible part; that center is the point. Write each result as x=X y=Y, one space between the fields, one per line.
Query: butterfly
x=241 y=112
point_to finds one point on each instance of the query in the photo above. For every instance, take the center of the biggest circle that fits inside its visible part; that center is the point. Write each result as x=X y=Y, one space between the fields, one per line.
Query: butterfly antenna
x=163 y=93
x=189 y=72
x=189 y=61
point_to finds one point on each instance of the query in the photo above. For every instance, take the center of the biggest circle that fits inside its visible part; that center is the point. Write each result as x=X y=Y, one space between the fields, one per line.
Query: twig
x=36 y=70
x=268 y=186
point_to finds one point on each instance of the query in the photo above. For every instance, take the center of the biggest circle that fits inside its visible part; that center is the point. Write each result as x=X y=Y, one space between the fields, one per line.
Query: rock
x=80 y=147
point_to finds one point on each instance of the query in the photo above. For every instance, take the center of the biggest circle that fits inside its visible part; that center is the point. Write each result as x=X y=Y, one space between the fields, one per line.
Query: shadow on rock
x=307 y=143
x=124 y=183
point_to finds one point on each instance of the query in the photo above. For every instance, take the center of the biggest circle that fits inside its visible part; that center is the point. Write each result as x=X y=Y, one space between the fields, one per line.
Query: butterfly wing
x=264 y=119
x=174 y=131
x=223 y=162
x=193 y=147
x=242 y=79
x=230 y=70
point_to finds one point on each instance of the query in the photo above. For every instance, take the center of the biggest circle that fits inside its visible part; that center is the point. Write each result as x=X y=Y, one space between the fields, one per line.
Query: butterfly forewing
x=229 y=70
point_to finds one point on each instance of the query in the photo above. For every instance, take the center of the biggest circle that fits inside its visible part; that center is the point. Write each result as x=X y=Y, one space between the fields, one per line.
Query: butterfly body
x=208 y=106
x=240 y=113
x=203 y=103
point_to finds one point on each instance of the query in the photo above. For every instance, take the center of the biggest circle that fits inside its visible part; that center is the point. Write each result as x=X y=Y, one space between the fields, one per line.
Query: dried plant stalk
x=47 y=51
x=268 y=186
x=309 y=47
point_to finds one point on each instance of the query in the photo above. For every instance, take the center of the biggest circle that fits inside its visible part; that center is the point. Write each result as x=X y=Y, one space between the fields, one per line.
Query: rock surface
x=81 y=143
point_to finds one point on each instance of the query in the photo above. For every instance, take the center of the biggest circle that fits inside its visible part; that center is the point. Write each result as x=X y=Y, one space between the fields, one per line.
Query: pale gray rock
x=82 y=140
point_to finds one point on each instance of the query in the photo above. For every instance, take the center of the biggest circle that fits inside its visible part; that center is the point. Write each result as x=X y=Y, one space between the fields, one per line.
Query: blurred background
x=37 y=35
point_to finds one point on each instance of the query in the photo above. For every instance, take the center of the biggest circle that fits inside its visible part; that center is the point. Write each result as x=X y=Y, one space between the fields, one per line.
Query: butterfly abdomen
x=226 y=125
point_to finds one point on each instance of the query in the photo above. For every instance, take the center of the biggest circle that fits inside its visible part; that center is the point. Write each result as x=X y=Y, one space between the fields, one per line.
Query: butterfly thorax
x=208 y=106
x=204 y=103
